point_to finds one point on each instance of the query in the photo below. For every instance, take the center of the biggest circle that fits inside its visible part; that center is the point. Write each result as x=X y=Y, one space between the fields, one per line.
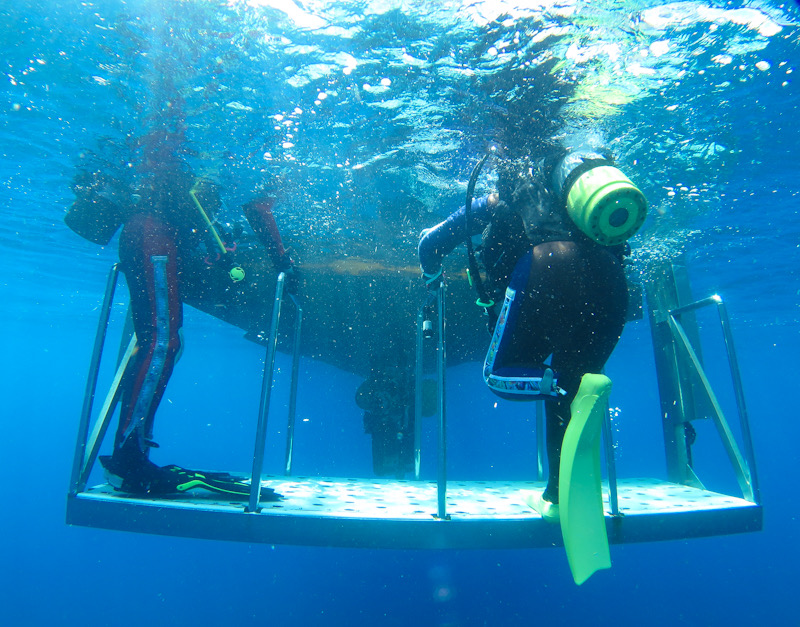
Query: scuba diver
x=387 y=399
x=554 y=239
x=168 y=238
x=387 y=396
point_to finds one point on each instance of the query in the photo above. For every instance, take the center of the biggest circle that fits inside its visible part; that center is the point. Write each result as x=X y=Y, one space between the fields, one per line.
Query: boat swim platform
x=396 y=514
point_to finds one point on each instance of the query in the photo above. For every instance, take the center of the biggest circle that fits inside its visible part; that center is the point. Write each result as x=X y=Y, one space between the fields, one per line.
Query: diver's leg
x=504 y=348
x=591 y=315
x=572 y=366
x=557 y=415
x=514 y=366
x=149 y=258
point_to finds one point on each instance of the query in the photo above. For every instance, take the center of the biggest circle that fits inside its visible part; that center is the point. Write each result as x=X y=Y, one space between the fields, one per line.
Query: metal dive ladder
x=384 y=513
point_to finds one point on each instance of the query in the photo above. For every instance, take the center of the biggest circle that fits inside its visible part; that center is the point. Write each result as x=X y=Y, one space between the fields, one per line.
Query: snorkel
x=236 y=273
x=206 y=219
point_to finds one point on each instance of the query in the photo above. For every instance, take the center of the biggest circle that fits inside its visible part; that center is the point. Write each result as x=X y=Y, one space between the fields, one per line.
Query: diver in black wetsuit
x=168 y=230
x=387 y=399
x=565 y=293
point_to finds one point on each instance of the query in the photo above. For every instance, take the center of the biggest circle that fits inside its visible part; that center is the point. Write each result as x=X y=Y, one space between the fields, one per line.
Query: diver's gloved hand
x=292 y=279
x=432 y=280
x=433 y=275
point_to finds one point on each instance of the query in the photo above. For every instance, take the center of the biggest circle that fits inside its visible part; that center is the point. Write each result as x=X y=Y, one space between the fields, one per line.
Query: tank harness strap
x=473 y=270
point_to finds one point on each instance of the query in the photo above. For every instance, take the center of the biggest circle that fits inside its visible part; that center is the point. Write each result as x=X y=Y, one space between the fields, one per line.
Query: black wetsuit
x=568 y=299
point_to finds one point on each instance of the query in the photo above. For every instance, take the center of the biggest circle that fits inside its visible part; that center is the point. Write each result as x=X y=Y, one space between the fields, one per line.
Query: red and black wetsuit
x=148 y=251
x=152 y=246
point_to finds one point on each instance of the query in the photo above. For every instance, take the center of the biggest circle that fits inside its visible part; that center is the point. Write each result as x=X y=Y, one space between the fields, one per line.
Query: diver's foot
x=546 y=384
x=147 y=479
x=545 y=509
x=142 y=478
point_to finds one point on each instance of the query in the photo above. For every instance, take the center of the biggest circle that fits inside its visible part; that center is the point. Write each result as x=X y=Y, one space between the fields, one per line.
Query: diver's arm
x=438 y=242
x=259 y=216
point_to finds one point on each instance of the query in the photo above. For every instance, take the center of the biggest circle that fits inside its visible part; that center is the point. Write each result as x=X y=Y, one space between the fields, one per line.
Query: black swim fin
x=146 y=478
x=219 y=482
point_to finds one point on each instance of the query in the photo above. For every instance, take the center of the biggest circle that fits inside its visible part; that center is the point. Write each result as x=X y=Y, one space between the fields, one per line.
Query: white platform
x=402 y=514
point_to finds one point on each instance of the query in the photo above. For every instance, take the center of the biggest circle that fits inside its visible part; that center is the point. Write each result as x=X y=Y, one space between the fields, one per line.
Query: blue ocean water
x=365 y=119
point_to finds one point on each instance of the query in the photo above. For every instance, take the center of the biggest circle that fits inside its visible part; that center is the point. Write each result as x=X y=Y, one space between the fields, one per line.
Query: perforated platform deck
x=402 y=514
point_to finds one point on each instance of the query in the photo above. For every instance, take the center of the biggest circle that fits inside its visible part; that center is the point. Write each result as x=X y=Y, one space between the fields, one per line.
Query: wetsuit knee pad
x=524 y=384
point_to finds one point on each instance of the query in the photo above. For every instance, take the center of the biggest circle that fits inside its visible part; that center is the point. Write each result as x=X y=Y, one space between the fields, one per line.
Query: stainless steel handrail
x=441 y=367
x=293 y=385
x=435 y=300
x=87 y=446
x=611 y=464
x=104 y=417
x=733 y=363
x=744 y=467
x=541 y=443
x=418 y=375
x=78 y=470
x=266 y=394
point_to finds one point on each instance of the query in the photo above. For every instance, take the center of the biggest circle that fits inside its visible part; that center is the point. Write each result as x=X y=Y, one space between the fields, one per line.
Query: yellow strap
x=212 y=230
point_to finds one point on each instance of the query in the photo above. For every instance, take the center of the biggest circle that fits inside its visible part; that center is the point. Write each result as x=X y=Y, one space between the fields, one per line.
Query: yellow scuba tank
x=600 y=199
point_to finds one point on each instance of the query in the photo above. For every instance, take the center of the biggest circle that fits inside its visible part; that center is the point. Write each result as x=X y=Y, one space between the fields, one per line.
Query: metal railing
x=85 y=449
x=266 y=393
x=88 y=444
x=682 y=354
x=744 y=466
x=435 y=302
x=425 y=330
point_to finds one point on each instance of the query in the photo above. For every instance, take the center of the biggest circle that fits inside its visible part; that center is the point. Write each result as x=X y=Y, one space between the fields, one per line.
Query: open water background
x=366 y=118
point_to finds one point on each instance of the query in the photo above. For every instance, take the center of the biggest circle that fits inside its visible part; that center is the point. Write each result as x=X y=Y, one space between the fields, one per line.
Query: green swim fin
x=583 y=524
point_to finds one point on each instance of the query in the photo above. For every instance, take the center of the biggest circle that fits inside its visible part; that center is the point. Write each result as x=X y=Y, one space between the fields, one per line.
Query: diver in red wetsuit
x=162 y=233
